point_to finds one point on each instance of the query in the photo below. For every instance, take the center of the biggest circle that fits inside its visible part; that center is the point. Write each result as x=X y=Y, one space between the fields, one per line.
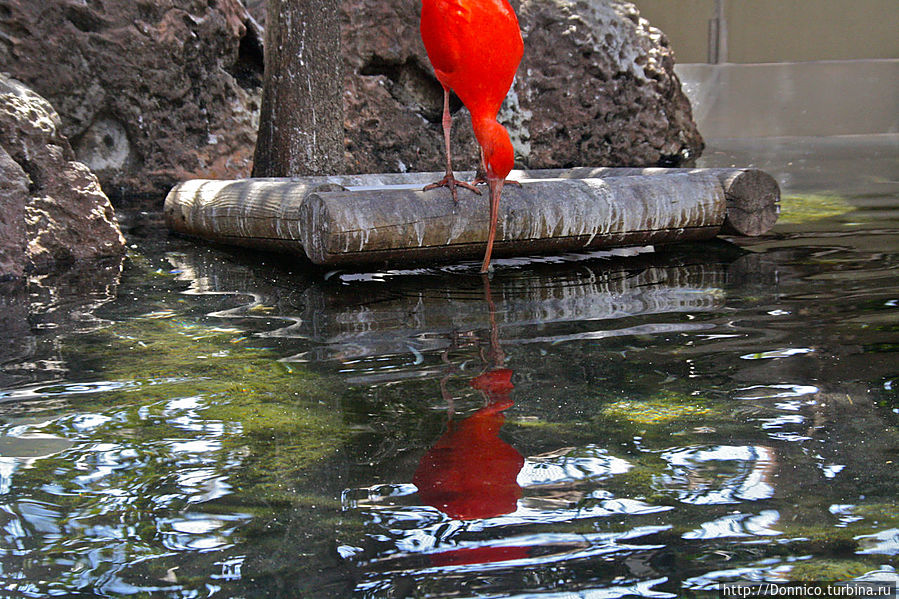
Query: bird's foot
x=450 y=181
x=479 y=180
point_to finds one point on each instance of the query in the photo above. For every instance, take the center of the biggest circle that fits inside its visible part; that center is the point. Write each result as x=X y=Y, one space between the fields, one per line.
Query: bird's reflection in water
x=470 y=473
x=478 y=555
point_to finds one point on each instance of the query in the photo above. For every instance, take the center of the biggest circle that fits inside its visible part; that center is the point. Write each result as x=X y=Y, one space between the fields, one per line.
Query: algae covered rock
x=802 y=208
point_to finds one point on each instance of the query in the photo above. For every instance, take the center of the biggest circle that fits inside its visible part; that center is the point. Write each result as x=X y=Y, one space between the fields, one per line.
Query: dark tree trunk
x=301 y=122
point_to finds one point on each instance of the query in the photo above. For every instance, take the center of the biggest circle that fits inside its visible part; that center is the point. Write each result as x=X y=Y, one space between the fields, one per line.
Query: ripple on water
x=719 y=474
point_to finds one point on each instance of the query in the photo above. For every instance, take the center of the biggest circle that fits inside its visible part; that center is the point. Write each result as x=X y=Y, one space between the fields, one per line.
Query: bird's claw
x=483 y=181
x=450 y=181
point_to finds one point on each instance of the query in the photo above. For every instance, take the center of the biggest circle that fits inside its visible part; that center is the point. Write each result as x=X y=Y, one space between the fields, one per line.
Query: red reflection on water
x=496 y=384
x=478 y=555
x=470 y=472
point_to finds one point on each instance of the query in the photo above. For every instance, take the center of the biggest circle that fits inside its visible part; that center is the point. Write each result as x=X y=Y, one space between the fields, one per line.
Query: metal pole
x=718 y=34
x=722 y=30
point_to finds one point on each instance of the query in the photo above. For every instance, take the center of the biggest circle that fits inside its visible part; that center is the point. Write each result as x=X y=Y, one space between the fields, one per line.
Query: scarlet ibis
x=475 y=47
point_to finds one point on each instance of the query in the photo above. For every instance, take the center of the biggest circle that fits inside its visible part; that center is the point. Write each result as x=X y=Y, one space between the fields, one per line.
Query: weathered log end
x=753 y=202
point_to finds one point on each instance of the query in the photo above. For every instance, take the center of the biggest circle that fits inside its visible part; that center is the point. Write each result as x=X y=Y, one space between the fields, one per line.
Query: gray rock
x=13 y=197
x=150 y=92
x=53 y=207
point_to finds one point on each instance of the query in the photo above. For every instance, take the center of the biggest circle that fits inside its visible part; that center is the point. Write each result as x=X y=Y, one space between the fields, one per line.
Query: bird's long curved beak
x=496 y=188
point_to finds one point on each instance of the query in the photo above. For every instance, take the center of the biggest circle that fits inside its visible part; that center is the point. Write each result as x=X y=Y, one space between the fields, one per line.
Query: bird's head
x=499 y=157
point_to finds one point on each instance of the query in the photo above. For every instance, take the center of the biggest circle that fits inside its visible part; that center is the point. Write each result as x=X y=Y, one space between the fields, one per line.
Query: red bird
x=475 y=47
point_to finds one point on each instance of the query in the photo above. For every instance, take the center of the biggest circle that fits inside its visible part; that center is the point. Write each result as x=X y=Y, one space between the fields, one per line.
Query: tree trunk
x=301 y=121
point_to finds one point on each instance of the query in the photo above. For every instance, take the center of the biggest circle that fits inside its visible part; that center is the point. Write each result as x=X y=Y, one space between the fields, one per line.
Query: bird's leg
x=480 y=177
x=449 y=180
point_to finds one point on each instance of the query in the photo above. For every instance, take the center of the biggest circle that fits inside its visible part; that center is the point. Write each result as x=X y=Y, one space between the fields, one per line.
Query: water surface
x=197 y=421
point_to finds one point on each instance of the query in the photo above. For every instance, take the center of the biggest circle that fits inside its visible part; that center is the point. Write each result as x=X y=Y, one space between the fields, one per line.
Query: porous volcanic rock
x=596 y=87
x=150 y=91
x=153 y=92
x=13 y=197
x=52 y=207
x=612 y=75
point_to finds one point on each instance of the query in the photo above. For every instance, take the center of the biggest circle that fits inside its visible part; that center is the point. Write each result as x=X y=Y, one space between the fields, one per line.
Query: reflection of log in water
x=417 y=316
x=425 y=319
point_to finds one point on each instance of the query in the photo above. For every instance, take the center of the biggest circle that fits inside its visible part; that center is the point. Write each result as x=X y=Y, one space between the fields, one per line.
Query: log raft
x=366 y=219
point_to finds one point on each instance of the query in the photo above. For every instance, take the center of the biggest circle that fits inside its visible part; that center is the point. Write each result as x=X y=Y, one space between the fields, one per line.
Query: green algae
x=275 y=419
x=878 y=512
x=659 y=417
x=803 y=208
x=195 y=419
x=828 y=570
x=657 y=411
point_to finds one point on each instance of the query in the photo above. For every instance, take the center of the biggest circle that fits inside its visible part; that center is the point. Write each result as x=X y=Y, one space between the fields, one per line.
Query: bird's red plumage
x=475 y=47
x=470 y=472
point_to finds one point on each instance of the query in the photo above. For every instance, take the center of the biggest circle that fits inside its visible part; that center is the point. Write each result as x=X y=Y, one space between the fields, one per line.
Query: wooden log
x=544 y=215
x=753 y=196
x=387 y=218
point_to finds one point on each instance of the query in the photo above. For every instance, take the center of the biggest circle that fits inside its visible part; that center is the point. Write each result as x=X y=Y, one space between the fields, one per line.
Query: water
x=203 y=422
